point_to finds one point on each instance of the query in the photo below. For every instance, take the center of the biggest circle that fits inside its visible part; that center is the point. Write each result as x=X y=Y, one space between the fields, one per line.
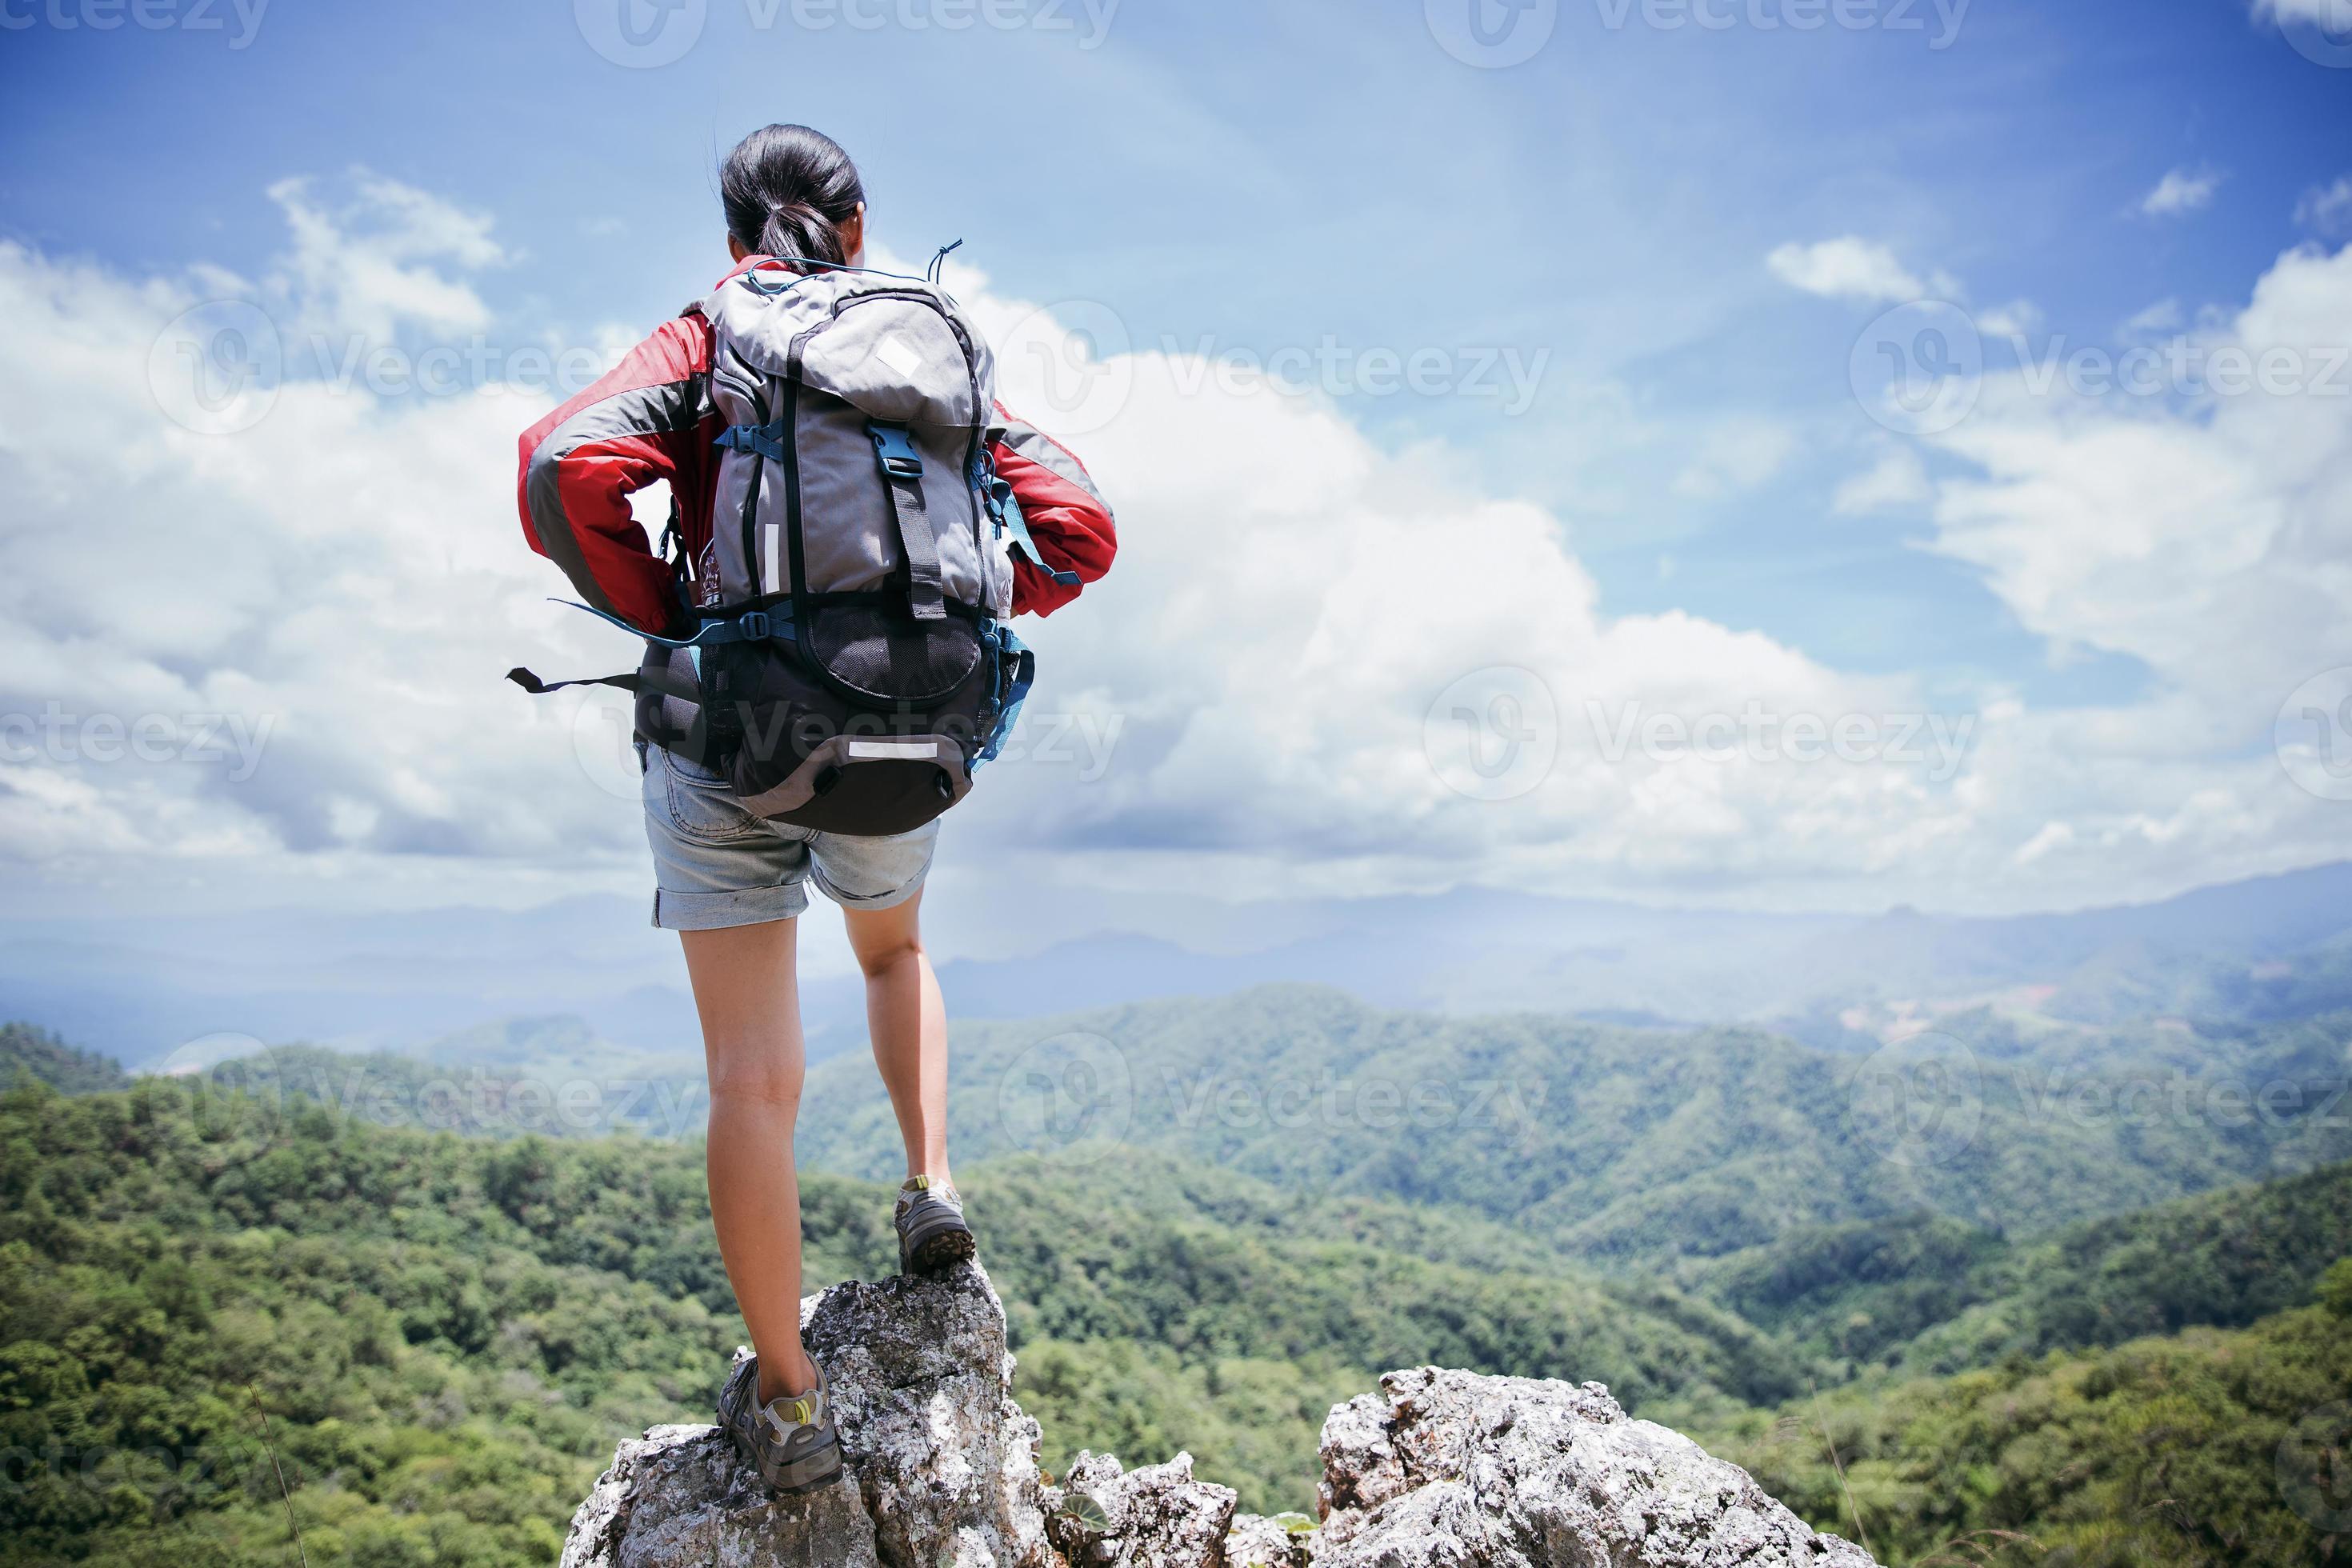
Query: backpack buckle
x=755 y=625
x=766 y=440
x=895 y=449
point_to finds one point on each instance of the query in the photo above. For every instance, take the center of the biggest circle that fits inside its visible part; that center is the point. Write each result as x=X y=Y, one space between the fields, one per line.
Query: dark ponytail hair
x=787 y=191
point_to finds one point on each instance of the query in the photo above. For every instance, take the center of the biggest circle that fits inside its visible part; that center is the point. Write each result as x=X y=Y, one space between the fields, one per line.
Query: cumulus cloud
x=2209 y=540
x=2327 y=208
x=380 y=261
x=280 y=640
x=2018 y=319
x=1850 y=267
x=1291 y=601
x=2181 y=192
x=2212 y=542
x=1897 y=481
x=1315 y=670
x=1734 y=456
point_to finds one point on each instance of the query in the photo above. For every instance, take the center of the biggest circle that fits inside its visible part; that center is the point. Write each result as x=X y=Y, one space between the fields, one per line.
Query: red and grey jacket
x=652 y=417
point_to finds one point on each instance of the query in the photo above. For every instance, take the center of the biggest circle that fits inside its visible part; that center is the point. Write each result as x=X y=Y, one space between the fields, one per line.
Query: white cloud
x=1735 y=456
x=2181 y=192
x=2018 y=319
x=1291 y=604
x=2162 y=317
x=1850 y=268
x=2210 y=545
x=1898 y=480
x=2327 y=208
x=373 y=265
x=343 y=580
x=2050 y=838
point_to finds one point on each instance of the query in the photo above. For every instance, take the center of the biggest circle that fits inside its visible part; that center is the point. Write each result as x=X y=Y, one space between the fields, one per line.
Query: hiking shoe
x=932 y=1234
x=790 y=1442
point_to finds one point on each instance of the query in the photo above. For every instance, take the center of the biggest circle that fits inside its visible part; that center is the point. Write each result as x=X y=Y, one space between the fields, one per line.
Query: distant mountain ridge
x=1930 y=1295
x=139 y=989
x=1620 y=1145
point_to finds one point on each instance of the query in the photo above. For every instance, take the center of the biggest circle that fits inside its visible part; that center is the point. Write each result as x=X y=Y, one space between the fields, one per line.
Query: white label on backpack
x=895 y=354
x=893 y=751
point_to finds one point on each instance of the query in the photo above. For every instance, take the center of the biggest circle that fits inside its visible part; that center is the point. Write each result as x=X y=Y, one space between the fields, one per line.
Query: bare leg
x=910 y=1025
x=747 y=995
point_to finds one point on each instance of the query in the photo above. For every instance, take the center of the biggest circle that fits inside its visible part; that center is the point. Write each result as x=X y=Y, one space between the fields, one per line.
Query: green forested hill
x=440 y=1337
x=29 y=1052
x=443 y=1337
x=1617 y=1145
x=2211 y=1448
x=550 y=1084
x=1933 y=1295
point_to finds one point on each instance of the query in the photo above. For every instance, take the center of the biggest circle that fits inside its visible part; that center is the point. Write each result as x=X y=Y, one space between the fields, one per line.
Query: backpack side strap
x=637 y=682
x=751 y=625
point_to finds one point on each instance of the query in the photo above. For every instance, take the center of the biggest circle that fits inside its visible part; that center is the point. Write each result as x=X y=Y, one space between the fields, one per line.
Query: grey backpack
x=853 y=667
x=857 y=462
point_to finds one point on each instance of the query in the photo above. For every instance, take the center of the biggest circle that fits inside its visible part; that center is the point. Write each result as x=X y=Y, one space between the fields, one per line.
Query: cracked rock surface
x=1450 y=1469
x=1438 y=1469
x=941 y=1466
x=1257 y=1541
x=1160 y=1516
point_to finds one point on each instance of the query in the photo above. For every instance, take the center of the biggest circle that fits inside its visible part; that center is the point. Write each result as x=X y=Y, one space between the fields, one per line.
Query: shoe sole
x=941 y=1250
x=783 y=1490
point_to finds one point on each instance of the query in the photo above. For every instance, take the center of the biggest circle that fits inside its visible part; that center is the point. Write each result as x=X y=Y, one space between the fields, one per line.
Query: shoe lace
x=806 y=1411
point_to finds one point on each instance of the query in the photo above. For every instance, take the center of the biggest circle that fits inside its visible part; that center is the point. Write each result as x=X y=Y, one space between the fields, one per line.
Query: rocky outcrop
x=677 y=1497
x=1256 y=1542
x=943 y=1464
x=1157 y=1517
x=1439 y=1469
x=1453 y=1471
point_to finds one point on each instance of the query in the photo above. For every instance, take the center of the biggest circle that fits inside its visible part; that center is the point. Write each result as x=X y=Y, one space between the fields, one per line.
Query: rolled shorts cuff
x=717 y=911
x=895 y=897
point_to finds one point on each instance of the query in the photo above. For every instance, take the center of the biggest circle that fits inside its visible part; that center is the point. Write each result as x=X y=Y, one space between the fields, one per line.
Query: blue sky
x=1270 y=173
x=1636 y=209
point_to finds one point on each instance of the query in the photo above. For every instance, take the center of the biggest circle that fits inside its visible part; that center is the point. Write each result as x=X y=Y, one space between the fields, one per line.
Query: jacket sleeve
x=578 y=466
x=1066 y=514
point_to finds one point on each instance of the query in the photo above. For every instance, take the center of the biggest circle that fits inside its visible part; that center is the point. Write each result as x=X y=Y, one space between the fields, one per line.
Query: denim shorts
x=717 y=865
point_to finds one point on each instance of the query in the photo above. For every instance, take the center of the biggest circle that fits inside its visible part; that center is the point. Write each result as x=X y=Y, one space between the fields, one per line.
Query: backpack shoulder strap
x=902 y=477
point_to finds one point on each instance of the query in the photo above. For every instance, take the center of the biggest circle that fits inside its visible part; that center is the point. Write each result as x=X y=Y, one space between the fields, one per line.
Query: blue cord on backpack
x=751 y=625
x=1004 y=645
